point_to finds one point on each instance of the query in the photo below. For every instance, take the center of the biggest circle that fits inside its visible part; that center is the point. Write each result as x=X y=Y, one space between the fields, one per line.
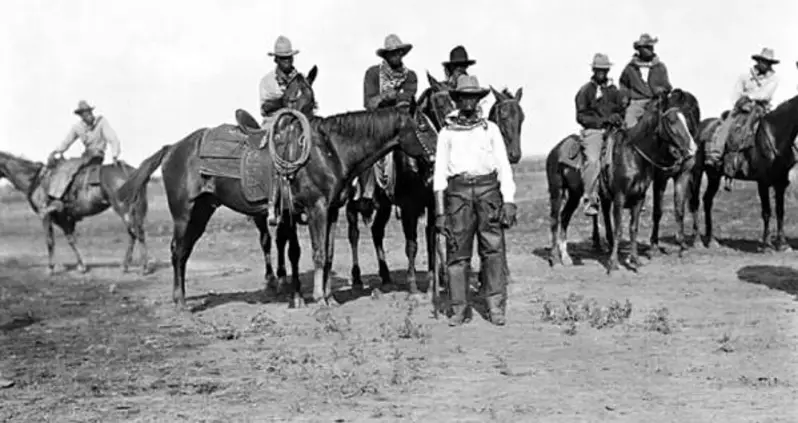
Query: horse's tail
x=136 y=183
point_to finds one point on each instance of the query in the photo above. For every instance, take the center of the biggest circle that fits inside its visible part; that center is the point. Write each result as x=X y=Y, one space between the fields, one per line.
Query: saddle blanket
x=227 y=152
x=60 y=178
x=574 y=157
x=740 y=138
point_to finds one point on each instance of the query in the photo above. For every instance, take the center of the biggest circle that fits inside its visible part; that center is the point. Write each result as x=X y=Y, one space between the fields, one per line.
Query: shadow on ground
x=781 y=278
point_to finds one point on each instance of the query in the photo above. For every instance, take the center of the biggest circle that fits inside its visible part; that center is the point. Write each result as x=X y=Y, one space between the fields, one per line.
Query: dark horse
x=681 y=173
x=660 y=139
x=769 y=160
x=413 y=190
x=191 y=205
x=87 y=200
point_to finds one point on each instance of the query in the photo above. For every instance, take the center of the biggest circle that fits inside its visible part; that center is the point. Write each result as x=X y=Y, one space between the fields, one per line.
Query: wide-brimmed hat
x=601 y=61
x=645 y=40
x=394 y=43
x=283 y=48
x=468 y=86
x=766 y=55
x=83 y=106
x=459 y=56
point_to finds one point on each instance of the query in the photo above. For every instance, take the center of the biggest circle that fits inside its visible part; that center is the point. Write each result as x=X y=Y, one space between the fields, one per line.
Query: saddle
x=60 y=177
x=745 y=122
x=238 y=152
x=574 y=155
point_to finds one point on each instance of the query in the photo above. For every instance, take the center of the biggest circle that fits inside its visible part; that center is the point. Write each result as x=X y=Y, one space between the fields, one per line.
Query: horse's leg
x=294 y=253
x=49 y=237
x=189 y=227
x=555 y=204
x=764 y=198
x=318 y=225
x=332 y=224
x=571 y=204
x=354 y=240
x=432 y=259
x=129 y=251
x=410 y=229
x=681 y=185
x=634 y=226
x=262 y=223
x=68 y=226
x=713 y=184
x=781 y=242
x=694 y=188
x=378 y=235
x=660 y=183
x=606 y=208
x=617 y=215
x=282 y=236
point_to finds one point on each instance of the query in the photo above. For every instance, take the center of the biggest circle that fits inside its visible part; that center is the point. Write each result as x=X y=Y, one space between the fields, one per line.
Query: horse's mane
x=357 y=125
x=787 y=110
x=27 y=165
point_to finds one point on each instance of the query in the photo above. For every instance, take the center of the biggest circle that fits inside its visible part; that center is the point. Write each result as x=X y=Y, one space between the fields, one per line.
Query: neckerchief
x=641 y=64
x=390 y=79
x=284 y=79
x=759 y=77
x=456 y=121
x=601 y=87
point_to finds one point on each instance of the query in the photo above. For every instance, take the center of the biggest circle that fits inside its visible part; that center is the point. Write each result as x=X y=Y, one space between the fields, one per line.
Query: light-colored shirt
x=269 y=88
x=474 y=152
x=97 y=137
x=755 y=86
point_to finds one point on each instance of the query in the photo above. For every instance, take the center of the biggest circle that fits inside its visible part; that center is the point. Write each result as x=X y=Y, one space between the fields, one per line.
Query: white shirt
x=474 y=152
x=756 y=86
x=269 y=89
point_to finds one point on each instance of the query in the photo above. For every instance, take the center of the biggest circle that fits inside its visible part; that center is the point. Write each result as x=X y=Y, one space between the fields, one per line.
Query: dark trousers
x=473 y=209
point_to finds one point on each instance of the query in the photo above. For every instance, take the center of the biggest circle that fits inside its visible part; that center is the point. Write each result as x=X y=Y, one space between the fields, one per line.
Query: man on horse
x=272 y=86
x=599 y=105
x=96 y=134
x=456 y=66
x=474 y=196
x=644 y=78
x=753 y=93
x=387 y=84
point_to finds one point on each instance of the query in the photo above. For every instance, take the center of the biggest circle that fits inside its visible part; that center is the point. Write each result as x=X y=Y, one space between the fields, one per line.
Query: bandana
x=284 y=79
x=390 y=79
x=456 y=121
x=641 y=64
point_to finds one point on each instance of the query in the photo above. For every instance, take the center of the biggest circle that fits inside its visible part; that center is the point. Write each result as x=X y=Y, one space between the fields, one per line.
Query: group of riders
x=472 y=179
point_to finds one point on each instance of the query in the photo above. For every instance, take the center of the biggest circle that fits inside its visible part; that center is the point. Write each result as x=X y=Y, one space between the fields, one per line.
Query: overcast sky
x=157 y=70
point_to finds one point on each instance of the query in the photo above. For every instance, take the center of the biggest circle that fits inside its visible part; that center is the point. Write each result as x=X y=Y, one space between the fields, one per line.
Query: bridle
x=684 y=152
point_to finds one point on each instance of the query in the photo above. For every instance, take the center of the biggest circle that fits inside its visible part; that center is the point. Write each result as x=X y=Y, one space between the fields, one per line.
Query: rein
x=677 y=163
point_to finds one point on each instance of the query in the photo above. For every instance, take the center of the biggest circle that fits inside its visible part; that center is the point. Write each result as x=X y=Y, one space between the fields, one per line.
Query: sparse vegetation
x=575 y=309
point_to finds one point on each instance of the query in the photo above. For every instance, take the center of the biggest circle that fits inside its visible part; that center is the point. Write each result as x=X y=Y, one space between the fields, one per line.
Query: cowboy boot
x=496 y=309
x=459 y=315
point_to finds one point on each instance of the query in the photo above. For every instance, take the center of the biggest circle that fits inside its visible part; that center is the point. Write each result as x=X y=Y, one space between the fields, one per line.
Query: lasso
x=287 y=169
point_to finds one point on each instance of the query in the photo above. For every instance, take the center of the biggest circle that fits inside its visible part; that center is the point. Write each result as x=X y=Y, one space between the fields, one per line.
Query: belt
x=467 y=179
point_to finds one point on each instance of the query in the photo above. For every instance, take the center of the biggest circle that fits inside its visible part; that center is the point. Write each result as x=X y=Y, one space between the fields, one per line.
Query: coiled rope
x=286 y=169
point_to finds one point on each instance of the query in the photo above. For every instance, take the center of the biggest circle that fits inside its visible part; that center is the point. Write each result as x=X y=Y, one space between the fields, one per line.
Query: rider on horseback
x=753 y=93
x=599 y=105
x=643 y=79
x=96 y=134
x=388 y=84
x=457 y=66
x=272 y=86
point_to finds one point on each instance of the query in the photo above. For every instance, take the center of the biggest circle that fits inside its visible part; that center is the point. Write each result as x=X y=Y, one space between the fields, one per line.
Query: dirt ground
x=710 y=337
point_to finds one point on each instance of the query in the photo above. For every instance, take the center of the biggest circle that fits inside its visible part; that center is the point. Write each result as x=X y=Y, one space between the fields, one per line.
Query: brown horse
x=660 y=139
x=768 y=161
x=192 y=202
x=682 y=175
x=413 y=190
x=89 y=198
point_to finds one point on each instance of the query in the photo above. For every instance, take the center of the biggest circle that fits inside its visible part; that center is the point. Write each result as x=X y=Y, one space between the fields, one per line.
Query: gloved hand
x=508 y=218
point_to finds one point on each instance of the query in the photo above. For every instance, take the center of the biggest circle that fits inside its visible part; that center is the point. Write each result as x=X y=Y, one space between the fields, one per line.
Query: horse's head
x=687 y=104
x=507 y=114
x=299 y=94
x=673 y=131
x=436 y=102
x=418 y=136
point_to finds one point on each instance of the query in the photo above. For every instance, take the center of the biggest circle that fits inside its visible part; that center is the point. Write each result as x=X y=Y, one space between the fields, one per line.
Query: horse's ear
x=496 y=94
x=314 y=71
x=433 y=82
x=519 y=93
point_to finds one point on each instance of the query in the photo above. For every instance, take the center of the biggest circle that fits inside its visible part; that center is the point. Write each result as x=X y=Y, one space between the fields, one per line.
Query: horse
x=769 y=160
x=413 y=190
x=660 y=134
x=193 y=197
x=682 y=175
x=89 y=198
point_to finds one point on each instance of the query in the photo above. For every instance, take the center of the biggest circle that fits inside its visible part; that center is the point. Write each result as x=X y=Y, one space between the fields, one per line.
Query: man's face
x=467 y=103
x=87 y=117
x=394 y=58
x=285 y=63
x=600 y=75
x=763 y=66
x=646 y=53
x=456 y=70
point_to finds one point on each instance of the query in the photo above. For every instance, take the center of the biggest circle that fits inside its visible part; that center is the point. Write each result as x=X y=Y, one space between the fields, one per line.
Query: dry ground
x=711 y=337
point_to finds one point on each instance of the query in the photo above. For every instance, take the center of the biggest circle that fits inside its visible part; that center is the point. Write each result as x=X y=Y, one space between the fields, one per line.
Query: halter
x=427 y=151
x=684 y=153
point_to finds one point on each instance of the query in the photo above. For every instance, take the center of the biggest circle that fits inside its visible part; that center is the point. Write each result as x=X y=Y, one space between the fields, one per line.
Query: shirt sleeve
x=110 y=136
x=738 y=90
x=269 y=90
x=505 y=171
x=585 y=116
x=766 y=91
x=409 y=88
x=661 y=81
x=68 y=140
x=371 y=89
x=442 y=154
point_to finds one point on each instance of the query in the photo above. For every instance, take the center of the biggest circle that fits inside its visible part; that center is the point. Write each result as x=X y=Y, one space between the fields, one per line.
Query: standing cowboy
x=457 y=66
x=387 y=84
x=96 y=134
x=599 y=105
x=643 y=79
x=474 y=196
x=752 y=95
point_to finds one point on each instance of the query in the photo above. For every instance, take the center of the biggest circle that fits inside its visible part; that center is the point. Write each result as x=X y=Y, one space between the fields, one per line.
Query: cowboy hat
x=394 y=43
x=601 y=61
x=766 y=55
x=283 y=48
x=468 y=86
x=83 y=106
x=645 y=40
x=459 y=56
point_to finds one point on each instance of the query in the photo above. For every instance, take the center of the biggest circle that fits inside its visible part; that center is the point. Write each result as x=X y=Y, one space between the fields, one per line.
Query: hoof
x=82 y=268
x=784 y=248
x=331 y=302
x=413 y=288
x=272 y=283
x=376 y=294
x=567 y=261
x=297 y=301
x=415 y=296
x=125 y=269
x=767 y=248
x=613 y=266
x=713 y=244
x=51 y=271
